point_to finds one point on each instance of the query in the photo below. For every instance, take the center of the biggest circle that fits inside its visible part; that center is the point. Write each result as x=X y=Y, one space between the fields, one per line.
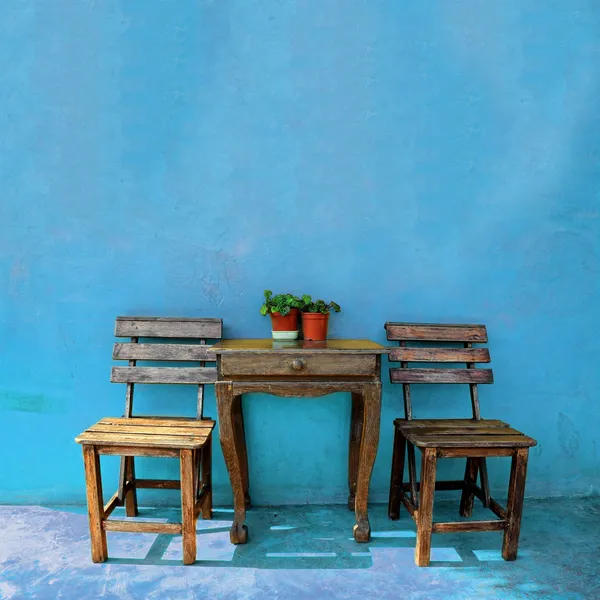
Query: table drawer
x=300 y=365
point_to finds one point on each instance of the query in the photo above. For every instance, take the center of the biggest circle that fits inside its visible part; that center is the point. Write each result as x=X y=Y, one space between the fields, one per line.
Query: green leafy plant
x=318 y=306
x=280 y=303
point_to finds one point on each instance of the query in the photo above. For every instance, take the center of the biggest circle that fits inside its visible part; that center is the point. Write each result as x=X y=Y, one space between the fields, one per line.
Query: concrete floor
x=301 y=552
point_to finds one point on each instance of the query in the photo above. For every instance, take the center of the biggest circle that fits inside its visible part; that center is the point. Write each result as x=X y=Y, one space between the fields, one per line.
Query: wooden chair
x=188 y=439
x=475 y=439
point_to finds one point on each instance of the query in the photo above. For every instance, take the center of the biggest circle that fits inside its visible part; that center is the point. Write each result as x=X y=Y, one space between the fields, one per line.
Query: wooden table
x=296 y=369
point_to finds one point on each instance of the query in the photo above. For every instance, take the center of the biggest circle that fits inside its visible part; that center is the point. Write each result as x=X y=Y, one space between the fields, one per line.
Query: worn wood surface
x=459 y=526
x=514 y=505
x=397 y=476
x=205 y=493
x=425 y=512
x=474 y=452
x=168 y=327
x=110 y=506
x=440 y=355
x=141 y=527
x=131 y=504
x=239 y=432
x=447 y=423
x=151 y=430
x=411 y=375
x=93 y=481
x=143 y=440
x=158 y=484
x=296 y=388
x=155 y=375
x=356 y=427
x=294 y=347
x=188 y=504
x=431 y=332
x=225 y=401
x=303 y=365
x=467 y=497
x=162 y=352
x=368 y=451
x=159 y=422
x=469 y=441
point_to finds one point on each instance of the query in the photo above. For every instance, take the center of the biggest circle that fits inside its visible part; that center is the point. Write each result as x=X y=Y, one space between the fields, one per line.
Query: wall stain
x=568 y=436
x=31 y=402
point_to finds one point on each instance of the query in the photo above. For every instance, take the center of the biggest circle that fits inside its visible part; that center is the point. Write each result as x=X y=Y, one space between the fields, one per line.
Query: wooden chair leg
x=514 y=507
x=95 y=503
x=206 y=458
x=425 y=514
x=468 y=497
x=188 y=522
x=397 y=476
x=131 y=505
x=412 y=473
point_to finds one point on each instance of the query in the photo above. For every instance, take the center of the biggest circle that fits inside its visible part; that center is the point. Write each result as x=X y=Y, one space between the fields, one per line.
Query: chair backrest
x=170 y=329
x=435 y=336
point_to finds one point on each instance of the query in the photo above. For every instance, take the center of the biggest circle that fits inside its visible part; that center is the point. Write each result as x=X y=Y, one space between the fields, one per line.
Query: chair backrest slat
x=189 y=375
x=441 y=376
x=162 y=352
x=440 y=355
x=168 y=327
x=427 y=333
x=430 y=332
x=165 y=328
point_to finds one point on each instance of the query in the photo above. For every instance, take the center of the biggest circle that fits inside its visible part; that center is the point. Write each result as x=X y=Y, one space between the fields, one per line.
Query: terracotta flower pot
x=285 y=327
x=314 y=326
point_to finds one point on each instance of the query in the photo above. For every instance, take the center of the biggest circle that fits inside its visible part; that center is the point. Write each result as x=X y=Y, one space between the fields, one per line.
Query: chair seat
x=467 y=436
x=447 y=423
x=148 y=433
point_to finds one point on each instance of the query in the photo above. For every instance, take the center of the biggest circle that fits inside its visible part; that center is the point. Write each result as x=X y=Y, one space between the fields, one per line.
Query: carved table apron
x=296 y=369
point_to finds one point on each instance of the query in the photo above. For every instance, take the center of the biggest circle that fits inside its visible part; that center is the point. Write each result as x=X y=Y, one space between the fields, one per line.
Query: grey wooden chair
x=188 y=439
x=473 y=439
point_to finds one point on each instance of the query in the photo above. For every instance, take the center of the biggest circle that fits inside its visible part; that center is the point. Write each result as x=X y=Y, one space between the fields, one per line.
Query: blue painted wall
x=412 y=160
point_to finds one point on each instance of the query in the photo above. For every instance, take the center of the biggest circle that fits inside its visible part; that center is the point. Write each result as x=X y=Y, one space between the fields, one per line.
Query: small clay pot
x=314 y=326
x=285 y=327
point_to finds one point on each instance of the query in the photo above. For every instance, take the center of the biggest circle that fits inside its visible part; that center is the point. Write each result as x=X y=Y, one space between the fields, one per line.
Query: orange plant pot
x=287 y=322
x=314 y=326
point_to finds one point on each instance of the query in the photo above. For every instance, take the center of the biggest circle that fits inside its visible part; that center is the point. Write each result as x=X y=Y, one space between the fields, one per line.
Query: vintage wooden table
x=297 y=369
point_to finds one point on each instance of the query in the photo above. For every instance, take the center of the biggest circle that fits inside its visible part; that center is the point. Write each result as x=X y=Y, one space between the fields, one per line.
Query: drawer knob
x=297 y=364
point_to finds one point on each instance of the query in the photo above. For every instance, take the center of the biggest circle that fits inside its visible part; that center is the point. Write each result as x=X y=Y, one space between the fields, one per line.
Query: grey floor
x=301 y=552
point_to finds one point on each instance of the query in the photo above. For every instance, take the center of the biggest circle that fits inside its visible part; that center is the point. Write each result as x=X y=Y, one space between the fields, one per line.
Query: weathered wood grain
x=142 y=440
x=159 y=422
x=397 y=476
x=425 y=512
x=163 y=375
x=205 y=496
x=141 y=527
x=470 y=441
x=149 y=429
x=431 y=332
x=136 y=451
x=188 y=505
x=514 y=505
x=159 y=484
x=162 y=352
x=474 y=452
x=411 y=375
x=304 y=366
x=369 y=442
x=447 y=423
x=168 y=327
x=296 y=347
x=467 y=497
x=440 y=355
x=458 y=526
x=93 y=481
x=356 y=427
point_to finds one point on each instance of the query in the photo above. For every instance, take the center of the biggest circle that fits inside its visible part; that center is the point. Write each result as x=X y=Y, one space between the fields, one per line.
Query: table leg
x=240 y=440
x=356 y=426
x=368 y=452
x=227 y=433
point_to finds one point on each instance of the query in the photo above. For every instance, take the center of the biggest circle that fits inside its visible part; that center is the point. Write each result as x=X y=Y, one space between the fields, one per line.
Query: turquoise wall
x=417 y=161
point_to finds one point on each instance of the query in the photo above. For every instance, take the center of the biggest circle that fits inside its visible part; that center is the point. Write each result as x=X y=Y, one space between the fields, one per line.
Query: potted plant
x=315 y=318
x=283 y=309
